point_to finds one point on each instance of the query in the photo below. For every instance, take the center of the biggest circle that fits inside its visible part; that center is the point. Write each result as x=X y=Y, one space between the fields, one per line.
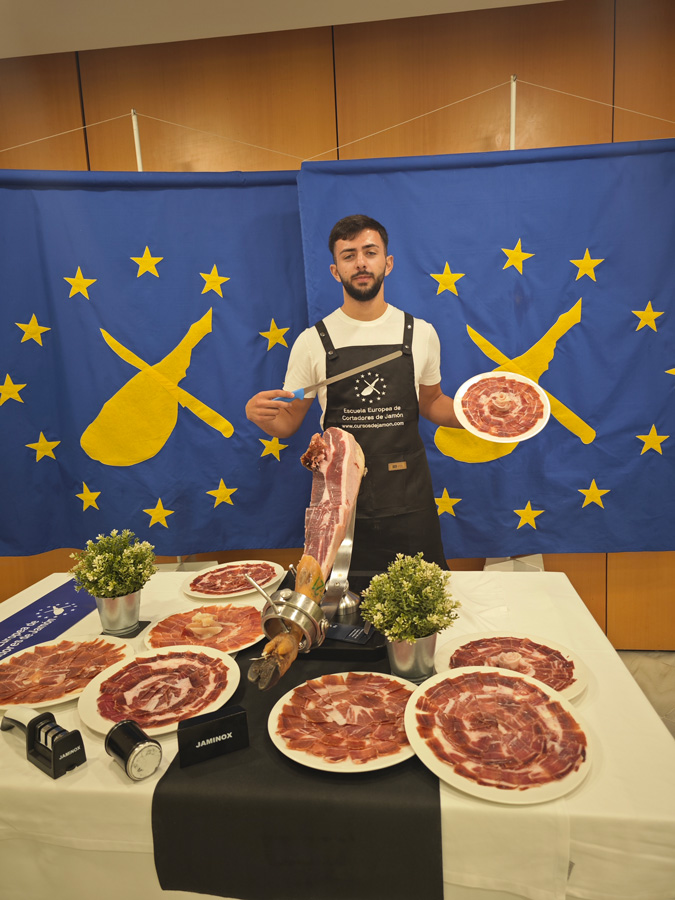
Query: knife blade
x=299 y=394
x=562 y=413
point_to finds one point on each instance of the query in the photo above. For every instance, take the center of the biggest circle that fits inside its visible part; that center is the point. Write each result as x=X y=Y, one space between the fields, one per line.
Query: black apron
x=396 y=511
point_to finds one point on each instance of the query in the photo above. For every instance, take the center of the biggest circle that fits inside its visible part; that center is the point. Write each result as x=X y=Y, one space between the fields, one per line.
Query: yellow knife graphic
x=208 y=415
x=542 y=350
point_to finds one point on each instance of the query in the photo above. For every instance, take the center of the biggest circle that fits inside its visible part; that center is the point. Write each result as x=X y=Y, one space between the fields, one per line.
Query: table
x=89 y=833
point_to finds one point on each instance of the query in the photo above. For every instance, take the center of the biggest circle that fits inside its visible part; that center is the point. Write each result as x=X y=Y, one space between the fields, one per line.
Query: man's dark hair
x=350 y=226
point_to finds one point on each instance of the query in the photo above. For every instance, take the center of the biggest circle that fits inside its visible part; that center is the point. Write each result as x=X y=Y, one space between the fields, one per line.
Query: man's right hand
x=275 y=417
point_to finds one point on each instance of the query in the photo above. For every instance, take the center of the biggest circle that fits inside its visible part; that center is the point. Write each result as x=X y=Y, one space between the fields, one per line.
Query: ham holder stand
x=338 y=607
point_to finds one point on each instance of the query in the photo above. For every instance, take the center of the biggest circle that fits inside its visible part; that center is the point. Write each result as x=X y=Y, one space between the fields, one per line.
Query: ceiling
x=34 y=27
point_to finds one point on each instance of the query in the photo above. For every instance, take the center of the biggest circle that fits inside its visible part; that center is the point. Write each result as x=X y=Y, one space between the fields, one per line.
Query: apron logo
x=396 y=467
x=370 y=387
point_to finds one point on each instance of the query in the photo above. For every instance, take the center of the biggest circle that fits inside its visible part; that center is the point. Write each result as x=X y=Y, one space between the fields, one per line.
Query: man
x=396 y=511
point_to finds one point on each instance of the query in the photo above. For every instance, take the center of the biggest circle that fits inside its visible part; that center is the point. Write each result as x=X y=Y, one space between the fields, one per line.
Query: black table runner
x=255 y=825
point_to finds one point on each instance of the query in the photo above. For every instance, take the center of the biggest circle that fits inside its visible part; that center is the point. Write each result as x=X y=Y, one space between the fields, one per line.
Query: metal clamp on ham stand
x=293 y=621
x=286 y=607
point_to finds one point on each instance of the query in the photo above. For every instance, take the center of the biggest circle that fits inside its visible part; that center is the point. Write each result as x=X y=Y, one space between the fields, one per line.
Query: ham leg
x=337 y=465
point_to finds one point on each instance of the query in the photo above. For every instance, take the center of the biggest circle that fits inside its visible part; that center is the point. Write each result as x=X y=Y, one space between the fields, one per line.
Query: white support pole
x=512 y=122
x=137 y=141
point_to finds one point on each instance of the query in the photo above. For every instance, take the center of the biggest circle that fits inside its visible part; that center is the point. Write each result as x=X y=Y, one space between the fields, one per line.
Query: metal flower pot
x=119 y=615
x=413 y=660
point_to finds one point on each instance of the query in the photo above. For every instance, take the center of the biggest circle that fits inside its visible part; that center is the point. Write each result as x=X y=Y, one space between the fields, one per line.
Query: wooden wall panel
x=641 y=596
x=588 y=574
x=396 y=71
x=39 y=97
x=271 y=91
x=19 y=572
x=641 y=604
x=645 y=69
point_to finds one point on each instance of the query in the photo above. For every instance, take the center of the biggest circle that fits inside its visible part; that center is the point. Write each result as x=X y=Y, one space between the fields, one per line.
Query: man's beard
x=364 y=294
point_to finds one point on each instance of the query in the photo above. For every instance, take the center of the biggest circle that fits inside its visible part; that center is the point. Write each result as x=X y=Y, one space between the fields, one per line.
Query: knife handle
x=297 y=395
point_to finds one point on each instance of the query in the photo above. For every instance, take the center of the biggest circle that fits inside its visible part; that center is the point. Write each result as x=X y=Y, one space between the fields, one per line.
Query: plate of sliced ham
x=503 y=407
x=498 y=735
x=541 y=658
x=55 y=672
x=160 y=688
x=227 y=581
x=348 y=722
x=226 y=626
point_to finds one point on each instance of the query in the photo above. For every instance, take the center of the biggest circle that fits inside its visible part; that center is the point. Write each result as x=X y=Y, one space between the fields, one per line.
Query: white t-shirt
x=307 y=361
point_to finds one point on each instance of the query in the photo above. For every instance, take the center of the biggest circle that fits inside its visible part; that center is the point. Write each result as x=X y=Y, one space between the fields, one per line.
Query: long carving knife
x=299 y=394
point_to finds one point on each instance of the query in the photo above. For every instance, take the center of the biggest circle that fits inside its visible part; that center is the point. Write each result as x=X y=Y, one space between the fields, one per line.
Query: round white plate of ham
x=160 y=688
x=548 y=661
x=348 y=722
x=503 y=407
x=227 y=581
x=225 y=626
x=55 y=672
x=498 y=735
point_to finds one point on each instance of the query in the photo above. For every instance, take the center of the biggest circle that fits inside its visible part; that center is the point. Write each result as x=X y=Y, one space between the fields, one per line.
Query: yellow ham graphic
x=138 y=420
x=466 y=447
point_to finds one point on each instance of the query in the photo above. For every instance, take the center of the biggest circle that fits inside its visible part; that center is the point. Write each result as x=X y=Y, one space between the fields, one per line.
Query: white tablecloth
x=88 y=834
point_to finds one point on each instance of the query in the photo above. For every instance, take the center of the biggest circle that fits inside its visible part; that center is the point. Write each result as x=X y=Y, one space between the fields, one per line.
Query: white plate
x=317 y=762
x=87 y=706
x=79 y=639
x=446 y=772
x=256 y=603
x=512 y=376
x=444 y=652
x=269 y=586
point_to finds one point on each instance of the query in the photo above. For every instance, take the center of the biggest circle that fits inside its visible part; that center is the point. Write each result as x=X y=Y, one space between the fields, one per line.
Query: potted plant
x=113 y=569
x=409 y=604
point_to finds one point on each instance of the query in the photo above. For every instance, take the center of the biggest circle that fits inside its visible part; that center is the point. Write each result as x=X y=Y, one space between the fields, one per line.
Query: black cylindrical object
x=138 y=754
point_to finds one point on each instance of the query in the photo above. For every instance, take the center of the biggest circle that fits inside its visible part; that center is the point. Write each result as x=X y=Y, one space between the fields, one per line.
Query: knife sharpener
x=48 y=746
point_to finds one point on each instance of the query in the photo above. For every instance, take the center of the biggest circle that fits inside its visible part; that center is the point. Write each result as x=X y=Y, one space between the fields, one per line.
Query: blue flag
x=555 y=263
x=138 y=315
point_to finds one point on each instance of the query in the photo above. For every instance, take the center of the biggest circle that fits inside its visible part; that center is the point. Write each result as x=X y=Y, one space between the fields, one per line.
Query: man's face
x=361 y=264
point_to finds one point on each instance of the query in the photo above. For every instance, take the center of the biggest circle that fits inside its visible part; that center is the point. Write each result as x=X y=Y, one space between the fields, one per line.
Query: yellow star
x=446 y=280
x=88 y=497
x=272 y=447
x=213 y=281
x=275 y=335
x=586 y=265
x=652 y=440
x=516 y=256
x=10 y=391
x=647 y=316
x=43 y=447
x=32 y=331
x=528 y=515
x=445 y=503
x=670 y=371
x=593 y=494
x=79 y=284
x=222 y=494
x=158 y=514
x=147 y=263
